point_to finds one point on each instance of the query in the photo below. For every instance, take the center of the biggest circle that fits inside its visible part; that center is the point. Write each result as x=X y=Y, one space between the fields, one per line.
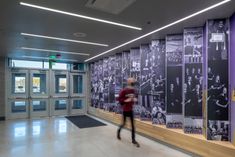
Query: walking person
x=127 y=98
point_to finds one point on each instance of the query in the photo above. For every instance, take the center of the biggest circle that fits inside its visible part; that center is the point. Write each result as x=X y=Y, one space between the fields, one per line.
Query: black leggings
x=128 y=114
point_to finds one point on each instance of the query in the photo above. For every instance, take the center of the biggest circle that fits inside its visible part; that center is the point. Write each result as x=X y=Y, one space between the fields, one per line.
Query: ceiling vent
x=110 y=6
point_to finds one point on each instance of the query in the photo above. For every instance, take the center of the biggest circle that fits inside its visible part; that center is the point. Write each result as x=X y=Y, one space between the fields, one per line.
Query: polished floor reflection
x=57 y=137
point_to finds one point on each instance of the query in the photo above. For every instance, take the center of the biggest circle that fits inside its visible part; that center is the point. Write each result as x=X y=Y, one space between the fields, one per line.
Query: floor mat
x=85 y=121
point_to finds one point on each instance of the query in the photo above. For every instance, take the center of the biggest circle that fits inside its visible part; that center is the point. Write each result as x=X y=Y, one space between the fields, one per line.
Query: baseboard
x=2 y=118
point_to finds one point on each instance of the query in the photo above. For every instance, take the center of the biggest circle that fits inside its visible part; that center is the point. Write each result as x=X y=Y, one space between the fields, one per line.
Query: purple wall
x=232 y=74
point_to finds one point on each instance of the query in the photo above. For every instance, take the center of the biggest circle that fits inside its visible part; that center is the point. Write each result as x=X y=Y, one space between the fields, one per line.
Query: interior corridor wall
x=165 y=70
x=232 y=76
x=2 y=88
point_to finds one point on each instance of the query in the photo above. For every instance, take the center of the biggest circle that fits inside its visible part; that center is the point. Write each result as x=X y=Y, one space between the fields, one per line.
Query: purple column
x=232 y=75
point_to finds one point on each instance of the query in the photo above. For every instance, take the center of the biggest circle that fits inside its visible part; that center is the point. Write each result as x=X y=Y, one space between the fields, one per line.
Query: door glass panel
x=18 y=106
x=60 y=83
x=77 y=84
x=60 y=105
x=78 y=66
x=39 y=83
x=39 y=105
x=77 y=104
x=18 y=83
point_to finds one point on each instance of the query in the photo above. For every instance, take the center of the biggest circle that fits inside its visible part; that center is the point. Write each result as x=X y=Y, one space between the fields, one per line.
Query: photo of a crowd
x=217 y=78
x=218 y=130
x=118 y=81
x=135 y=61
x=174 y=70
x=145 y=76
x=158 y=81
x=193 y=80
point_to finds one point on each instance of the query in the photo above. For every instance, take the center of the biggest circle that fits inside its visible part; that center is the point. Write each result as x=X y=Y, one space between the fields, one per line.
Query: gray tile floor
x=57 y=137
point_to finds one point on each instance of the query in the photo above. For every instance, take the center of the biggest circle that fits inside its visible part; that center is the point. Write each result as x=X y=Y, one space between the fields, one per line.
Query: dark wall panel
x=125 y=67
x=111 y=84
x=157 y=81
x=92 y=86
x=135 y=73
x=118 y=80
x=217 y=77
x=145 y=77
x=106 y=83
x=193 y=80
x=174 y=62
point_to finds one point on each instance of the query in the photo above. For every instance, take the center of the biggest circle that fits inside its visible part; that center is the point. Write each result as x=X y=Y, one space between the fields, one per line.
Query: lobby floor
x=58 y=137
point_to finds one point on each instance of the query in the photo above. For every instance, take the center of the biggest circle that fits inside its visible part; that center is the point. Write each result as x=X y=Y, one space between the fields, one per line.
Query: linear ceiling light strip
x=63 y=39
x=161 y=28
x=46 y=50
x=80 y=16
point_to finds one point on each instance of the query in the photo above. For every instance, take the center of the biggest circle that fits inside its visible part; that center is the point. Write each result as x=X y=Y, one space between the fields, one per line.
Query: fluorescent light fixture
x=45 y=50
x=63 y=39
x=46 y=58
x=80 y=16
x=161 y=28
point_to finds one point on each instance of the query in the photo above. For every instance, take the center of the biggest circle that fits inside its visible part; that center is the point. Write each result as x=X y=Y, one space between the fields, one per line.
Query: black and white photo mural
x=96 y=85
x=135 y=73
x=118 y=81
x=217 y=77
x=157 y=81
x=145 y=77
x=100 y=84
x=92 y=87
x=106 y=83
x=174 y=62
x=193 y=80
x=125 y=67
x=111 y=78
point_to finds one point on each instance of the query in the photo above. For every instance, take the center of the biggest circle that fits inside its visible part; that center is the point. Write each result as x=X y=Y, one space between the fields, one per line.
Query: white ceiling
x=147 y=14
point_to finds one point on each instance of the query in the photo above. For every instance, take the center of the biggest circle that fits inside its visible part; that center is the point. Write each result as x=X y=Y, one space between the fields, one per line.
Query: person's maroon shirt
x=123 y=95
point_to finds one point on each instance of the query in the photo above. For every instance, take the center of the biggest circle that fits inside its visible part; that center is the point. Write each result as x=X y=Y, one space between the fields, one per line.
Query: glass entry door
x=44 y=93
x=39 y=81
x=60 y=93
x=39 y=93
x=28 y=94
x=77 y=93
x=18 y=106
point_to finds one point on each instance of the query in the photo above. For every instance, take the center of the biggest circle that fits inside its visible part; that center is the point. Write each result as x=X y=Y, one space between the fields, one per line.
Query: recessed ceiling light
x=80 y=16
x=45 y=50
x=79 y=34
x=63 y=39
x=161 y=28
x=46 y=58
